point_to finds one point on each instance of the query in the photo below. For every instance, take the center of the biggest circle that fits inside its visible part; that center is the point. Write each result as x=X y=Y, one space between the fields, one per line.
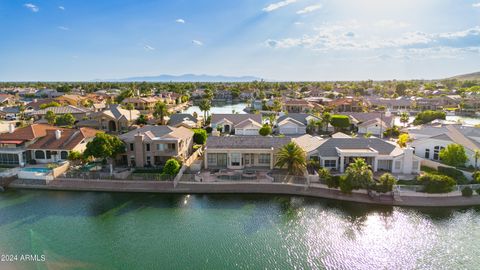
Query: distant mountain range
x=187 y=78
x=467 y=77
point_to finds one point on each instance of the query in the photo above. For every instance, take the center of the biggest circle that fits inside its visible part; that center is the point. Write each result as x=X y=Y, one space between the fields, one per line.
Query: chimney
x=11 y=128
x=58 y=134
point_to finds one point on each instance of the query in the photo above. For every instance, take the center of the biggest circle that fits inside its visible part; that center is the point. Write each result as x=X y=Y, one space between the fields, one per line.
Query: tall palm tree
x=160 y=111
x=293 y=157
x=205 y=106
x=476 y=155
x=130 y=107
x=326 y=118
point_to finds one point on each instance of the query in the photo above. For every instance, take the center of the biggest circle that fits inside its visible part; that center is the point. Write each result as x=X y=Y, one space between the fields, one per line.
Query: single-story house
x=337 y=153
x=247 y=124
x=294 y=123
x=183 y=119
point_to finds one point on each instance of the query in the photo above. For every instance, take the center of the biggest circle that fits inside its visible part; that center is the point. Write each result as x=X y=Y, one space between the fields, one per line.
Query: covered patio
x=348 y=156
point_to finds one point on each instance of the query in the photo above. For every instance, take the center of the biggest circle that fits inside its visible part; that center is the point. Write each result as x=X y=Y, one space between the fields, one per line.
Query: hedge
x=436 y=183
x=457 y=175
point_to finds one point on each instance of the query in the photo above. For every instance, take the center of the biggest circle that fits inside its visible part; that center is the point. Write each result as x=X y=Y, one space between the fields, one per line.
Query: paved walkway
x=315 y=190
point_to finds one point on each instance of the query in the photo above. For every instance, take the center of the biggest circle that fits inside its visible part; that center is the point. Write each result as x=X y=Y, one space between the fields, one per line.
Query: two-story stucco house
x=154 y=145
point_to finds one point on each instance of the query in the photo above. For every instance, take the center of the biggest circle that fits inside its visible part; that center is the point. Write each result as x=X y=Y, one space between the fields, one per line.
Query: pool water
x=39 y=170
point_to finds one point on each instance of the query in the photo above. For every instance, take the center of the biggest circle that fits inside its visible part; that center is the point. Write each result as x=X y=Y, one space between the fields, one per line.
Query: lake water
x=219 y=108
x=88 y=230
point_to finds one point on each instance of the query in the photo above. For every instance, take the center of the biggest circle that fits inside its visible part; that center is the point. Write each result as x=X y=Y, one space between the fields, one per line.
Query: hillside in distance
x=467 y=77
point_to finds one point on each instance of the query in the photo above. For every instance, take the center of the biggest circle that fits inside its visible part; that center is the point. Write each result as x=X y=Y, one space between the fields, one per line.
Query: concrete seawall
x=250 y=188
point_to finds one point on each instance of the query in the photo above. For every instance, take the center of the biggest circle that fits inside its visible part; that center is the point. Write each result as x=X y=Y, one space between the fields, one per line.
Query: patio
x=218 y=175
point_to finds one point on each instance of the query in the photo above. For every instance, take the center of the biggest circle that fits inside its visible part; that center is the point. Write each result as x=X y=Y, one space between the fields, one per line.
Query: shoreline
x=251 y=188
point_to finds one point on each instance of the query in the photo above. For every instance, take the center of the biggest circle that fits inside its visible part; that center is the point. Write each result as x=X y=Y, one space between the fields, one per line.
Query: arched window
x=64 y=155
x=39 y=154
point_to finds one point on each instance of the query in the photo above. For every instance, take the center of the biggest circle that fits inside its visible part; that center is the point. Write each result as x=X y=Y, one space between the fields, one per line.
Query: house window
x=160 y=147
x=64 y=155
x=427 y=153
x=264 y=159
x=131 y=147
x=398 y=165
x=147 y=146
x=221 y=159
x=330 y=164
x=49 y=154
x=212 y=159
x=149 y=161
x=235 y=159
x=436 y=152
x=39 y=154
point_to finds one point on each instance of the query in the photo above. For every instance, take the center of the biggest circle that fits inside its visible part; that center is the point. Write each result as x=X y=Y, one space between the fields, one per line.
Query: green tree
x=199 y=136
x=454 y=155
x=428 y=116
x=340 y=122
x=403 y=139
x=50 y=104
x=205 y=106
x=358 y=175
x=265 y=130
x=293 y=157
x=404 y=118
x=75 y=157
x=171 y=168
x=142 y=120
x=160 y=111
x=50 y=117
x=104 y=146
x=65 y=120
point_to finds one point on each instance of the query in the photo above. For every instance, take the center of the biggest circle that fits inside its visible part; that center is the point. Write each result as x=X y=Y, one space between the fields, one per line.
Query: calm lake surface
x=87 y=230
x=219 y=108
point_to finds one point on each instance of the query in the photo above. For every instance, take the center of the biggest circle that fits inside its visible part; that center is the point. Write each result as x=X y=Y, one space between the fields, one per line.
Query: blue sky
x=271 y=39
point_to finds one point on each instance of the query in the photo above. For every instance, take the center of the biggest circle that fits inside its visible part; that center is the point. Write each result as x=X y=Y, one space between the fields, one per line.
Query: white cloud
x=180 y=20
x=309 y=9
x=32 y=7
x=148 y=47
x=197 y=42
x=476 y=5
x=392 y=24
x=277 y=5
x=61 y=7
x=64 y=28
x=341 y=36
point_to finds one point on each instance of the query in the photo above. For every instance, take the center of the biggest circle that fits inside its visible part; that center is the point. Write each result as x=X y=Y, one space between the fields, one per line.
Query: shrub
x=333 y=181
x=171 y=167
x=199 y=136
x=436 y=183
x=428 y=116
x=209 y=130
x=385 y=183
x=478 y=191
x=265 y=130
x=457 y=175
x=476 y=177
x=196 y=147
x=346 y=184
x=467 y=192
x=339 y=121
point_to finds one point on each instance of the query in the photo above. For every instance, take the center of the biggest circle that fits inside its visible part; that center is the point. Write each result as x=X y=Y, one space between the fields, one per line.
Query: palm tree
x=130 y=107
x=293 y=157
x=205 y=106
x=358 y=174
x=326 y=118
x=160 y=111
x=404 y=118
x=476 y=155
